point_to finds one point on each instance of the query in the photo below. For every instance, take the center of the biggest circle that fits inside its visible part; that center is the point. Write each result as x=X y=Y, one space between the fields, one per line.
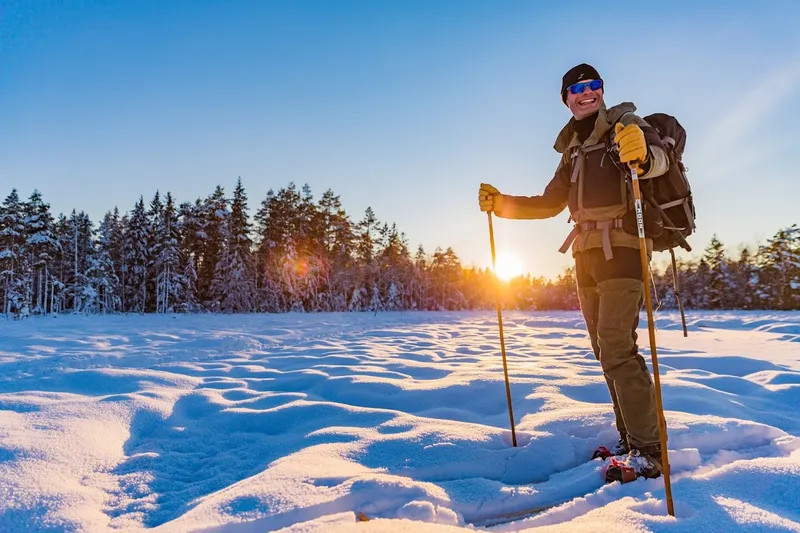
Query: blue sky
x=402 y=106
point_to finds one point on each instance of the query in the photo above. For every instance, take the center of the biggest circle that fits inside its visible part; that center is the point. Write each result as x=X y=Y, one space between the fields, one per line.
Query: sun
x=508 y=266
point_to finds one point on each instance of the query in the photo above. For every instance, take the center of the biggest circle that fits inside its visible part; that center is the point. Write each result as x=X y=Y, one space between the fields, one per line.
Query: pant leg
x=620 y=301
x=589 y=300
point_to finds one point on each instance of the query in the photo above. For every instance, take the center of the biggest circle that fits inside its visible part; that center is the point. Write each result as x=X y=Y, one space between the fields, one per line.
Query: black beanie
x=576 y=74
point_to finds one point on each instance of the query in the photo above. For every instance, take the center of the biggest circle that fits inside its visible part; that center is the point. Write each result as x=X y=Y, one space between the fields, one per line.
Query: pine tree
x=82 y=253
x=419 y=288
x=169 y=282
x=116 y=227
x=336 y=237
x=40 y=250
x=62 y=265
x=188 y=297
x=293 y=269
x=366 y=247
x=745 y=274
x=718 y=287
x=447 y=274
x=395 y=267
x=156 y=238
x=215 y=215
x=100 y=272
x=137 y=259
x=12 y=249
x=192 y=243
x=235 y=280
x=779 y=272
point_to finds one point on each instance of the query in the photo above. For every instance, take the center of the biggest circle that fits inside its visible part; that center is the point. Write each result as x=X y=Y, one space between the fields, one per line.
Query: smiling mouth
x=587 y=101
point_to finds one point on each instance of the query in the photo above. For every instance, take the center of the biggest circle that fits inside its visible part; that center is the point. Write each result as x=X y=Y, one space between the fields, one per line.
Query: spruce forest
x=301 y=254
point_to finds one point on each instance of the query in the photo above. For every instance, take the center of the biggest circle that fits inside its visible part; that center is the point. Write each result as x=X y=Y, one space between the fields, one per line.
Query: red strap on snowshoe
x=602 y=452
x=618 y=471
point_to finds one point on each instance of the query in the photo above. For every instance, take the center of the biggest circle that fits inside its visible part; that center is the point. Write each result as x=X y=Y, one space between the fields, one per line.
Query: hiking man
x=597 y=146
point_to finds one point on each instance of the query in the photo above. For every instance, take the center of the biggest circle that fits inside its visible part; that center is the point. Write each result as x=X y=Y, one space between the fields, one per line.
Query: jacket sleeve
x=548 y=204
x=657 y=162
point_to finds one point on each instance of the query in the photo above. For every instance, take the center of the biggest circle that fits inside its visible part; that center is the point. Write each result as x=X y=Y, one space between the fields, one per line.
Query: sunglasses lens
x=595 y=84
x=577 y=88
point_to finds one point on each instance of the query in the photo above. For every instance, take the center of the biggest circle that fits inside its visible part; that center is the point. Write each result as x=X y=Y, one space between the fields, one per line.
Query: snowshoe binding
x=635 y=465
x=620 y=448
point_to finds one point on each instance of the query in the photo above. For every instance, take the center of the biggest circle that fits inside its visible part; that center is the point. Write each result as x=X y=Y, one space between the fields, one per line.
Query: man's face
x=586 y=101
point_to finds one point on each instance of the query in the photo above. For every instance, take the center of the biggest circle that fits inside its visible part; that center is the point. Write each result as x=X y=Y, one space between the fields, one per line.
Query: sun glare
x=508 y=266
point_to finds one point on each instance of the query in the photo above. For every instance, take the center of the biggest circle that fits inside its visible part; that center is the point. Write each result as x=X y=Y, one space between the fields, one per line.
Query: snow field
x=298 y=422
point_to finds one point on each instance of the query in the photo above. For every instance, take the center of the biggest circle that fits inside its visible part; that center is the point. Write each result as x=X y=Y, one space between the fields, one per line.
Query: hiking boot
x=635 y=465
x=620 y=448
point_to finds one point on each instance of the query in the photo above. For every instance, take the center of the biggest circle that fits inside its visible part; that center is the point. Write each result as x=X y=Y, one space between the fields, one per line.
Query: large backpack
x=670 y=194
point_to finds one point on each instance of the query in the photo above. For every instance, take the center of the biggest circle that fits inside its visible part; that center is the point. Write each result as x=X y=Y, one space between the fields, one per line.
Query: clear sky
x=402 y=106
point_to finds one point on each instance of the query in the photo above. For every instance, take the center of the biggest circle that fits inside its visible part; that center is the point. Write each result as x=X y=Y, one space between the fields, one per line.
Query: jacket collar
x=606 y=117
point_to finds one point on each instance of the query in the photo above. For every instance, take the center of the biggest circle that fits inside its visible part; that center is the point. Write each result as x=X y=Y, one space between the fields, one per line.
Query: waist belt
x=605 y=225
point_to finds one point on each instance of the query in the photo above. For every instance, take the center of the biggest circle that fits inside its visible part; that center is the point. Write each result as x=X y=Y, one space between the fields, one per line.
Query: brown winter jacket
x=596 y=191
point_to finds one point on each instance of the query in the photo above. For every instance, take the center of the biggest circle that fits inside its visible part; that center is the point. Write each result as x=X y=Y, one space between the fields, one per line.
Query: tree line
x=298 y=253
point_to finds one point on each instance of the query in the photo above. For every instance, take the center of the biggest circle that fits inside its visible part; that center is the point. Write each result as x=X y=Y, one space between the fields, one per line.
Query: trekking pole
x=502 y=339
x=662 y=424
x=677 y=286
x=684 y=244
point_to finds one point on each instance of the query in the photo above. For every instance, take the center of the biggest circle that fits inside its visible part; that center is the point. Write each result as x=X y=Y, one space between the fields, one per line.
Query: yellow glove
x=632 y=146
x=486 y=197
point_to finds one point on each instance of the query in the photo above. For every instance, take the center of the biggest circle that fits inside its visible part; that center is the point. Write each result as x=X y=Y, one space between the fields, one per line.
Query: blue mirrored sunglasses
x=578 y=88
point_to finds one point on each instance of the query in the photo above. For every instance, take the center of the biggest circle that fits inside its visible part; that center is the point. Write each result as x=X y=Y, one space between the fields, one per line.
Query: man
x=598 y=146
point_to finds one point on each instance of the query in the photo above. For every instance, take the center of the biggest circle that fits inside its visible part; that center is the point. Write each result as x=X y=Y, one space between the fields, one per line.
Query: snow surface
x=297 y=422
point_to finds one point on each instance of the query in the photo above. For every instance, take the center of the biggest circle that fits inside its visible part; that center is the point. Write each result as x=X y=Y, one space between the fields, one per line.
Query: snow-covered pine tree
x=116 y=249
x=136 y=259
x=187 y=300
x=337 y=239
x=718 y=287
x=744 y=274
x=420 y=285
x=698 y=284
x=40 y=249
x=83 y=296
x=315 y=251
x=192 y=243
x=166 y=258
x=779 y=270
x=61 y=265
x=446 y=272
x=12 y=249
x=292 y=266
x=100 y=271
x=266 y=241
x=234 y=281
x=155 y=238
x=215 y=215
x=396 y=268
x=366 y=248
x=793 y=261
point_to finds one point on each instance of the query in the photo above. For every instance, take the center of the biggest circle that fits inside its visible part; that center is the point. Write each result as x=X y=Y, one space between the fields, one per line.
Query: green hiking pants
x=611 y=294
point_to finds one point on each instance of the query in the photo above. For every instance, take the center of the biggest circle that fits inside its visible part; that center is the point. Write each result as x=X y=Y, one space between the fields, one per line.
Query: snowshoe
x=635 y=465
x=620 y=448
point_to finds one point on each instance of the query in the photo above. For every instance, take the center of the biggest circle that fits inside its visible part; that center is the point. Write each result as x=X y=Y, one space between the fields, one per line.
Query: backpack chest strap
x=578 y=157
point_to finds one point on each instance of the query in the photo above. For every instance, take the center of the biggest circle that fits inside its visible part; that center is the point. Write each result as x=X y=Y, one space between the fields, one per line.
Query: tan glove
x=486 y=196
